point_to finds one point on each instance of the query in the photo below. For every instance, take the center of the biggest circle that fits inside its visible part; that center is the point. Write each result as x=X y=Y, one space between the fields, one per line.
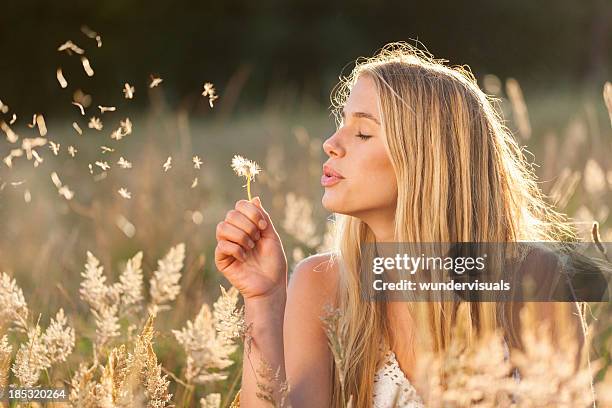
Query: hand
x=259 y=271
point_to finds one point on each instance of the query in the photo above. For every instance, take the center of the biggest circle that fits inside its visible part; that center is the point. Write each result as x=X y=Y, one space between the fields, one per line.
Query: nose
x=332 y=147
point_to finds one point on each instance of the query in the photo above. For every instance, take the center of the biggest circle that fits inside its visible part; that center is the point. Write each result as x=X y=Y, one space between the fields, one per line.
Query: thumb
x=269 y=227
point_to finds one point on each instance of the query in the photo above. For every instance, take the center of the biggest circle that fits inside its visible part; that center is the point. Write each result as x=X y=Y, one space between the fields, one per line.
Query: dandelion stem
x=249 y=188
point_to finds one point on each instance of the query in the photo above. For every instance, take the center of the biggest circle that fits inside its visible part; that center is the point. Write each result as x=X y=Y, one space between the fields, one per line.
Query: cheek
x=378 y=177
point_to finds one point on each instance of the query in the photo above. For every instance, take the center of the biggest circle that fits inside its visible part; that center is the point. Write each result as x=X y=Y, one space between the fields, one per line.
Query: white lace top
x=390 y=379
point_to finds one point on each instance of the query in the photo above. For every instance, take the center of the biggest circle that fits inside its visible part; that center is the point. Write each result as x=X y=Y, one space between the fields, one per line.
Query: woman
x=419 y=155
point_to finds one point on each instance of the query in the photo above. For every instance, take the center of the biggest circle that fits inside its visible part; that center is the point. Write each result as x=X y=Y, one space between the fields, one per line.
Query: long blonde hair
x=466 y=180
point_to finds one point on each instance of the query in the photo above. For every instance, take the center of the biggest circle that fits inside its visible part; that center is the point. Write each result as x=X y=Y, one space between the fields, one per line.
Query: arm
x=287 y=333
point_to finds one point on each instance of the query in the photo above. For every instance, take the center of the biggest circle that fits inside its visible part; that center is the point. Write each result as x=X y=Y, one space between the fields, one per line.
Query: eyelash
x=363 y=137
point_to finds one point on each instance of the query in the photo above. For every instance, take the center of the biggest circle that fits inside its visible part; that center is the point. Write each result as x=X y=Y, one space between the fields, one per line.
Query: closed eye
x=364 y=137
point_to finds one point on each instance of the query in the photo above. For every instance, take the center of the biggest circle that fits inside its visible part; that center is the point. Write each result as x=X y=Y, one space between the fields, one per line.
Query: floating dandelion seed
x=106 y=108
x=128 y=91
x=607 y=95
x=247 y=169
x=70 y=47
x=90 y=168
x=10 y=135
x=72 y=151
x=194 y=183
x=124 y=164
x=95 y=123
x=63 y=190
x=54 y=147
x=124 y=193
x=17 y=183
x=87 y=67
x=168 y=164
x=60 y=78
x=82 y=98
x=42 y=126
x=77 y=128
x=8 y=160
x=209 y=90
x=126 y=126
x=13 y=119
x=31 y=125
x=92 y=34
x=125 y=226
x=155 y=81
x=3 y=108
x=81 y=109
x=103 y=165
x=106 y=149
x=197 y=162
x=27 y=197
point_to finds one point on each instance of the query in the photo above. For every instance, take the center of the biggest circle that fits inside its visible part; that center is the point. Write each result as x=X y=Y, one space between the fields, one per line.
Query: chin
x=334 y=204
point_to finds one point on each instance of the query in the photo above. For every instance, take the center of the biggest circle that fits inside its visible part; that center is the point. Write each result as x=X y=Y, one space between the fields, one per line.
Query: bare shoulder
x=315 y=280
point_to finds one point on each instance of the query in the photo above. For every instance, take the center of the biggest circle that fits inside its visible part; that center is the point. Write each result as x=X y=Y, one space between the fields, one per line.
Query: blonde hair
x=468 y=169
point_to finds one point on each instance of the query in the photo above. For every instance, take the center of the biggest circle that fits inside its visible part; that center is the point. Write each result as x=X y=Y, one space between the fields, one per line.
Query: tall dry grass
x=91 y=204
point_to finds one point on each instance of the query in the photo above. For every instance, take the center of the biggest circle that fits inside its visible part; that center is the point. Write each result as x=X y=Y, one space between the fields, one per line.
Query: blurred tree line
x=257 y=48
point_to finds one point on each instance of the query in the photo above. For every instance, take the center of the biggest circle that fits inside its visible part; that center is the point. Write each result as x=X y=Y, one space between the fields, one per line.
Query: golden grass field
x=171 y=218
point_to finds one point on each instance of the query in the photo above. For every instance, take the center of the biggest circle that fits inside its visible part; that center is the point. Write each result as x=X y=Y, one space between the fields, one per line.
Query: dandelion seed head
x=244 y=167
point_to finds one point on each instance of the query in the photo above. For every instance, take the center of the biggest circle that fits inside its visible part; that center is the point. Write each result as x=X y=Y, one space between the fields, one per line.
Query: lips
x=330 y=176
x=331 y=172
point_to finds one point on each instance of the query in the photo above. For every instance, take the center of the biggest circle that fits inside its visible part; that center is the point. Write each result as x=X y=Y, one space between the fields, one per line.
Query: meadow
x=113 y=243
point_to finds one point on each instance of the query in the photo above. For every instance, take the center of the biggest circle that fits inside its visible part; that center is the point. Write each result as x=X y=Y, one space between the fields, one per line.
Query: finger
x=269 y=229
x=253 y=212
x=229 y=232
x=227 y=248
x=241 y=221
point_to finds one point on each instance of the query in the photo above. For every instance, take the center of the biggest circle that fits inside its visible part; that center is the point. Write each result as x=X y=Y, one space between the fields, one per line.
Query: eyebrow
x=364 y=115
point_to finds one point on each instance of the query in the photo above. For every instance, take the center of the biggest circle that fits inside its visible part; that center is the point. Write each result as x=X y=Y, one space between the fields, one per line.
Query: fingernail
x=257 y=235
x=251 y=244
x=262 y=224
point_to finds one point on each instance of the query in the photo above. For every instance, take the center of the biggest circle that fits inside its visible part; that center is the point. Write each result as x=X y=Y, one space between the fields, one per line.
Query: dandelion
x=106 y=108
x=247 y=169
x=168 y=164
x=70 y=47
x=87 y=67
x=60 y=78
x=124 y=164
x=95 y=123
x=128 y=91
x=124 y=193
x=196 y=162
x=81 y=108
x=209 y=90
x=155 y=81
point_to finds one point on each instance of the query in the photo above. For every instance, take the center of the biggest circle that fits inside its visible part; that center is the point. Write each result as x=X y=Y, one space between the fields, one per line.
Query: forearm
x=263 y=348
